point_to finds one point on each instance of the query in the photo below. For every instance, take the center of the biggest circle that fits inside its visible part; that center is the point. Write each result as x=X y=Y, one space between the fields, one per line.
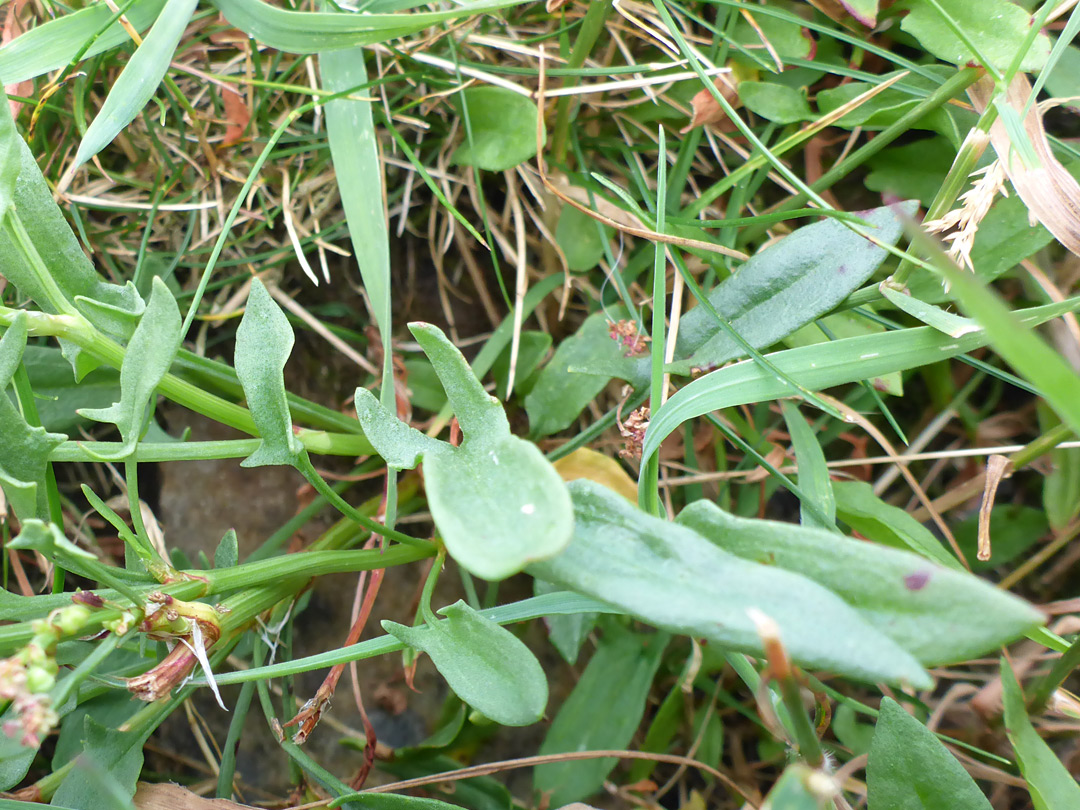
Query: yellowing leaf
x=587 y=463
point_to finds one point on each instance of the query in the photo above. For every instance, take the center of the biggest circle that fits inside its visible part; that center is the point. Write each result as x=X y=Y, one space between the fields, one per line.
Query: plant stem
x=591 y=26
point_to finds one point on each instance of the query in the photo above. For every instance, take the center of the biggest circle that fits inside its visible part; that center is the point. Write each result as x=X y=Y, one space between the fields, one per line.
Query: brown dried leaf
x=708 y=111
x=555 y=5
x=1049 y=191
x=167 y=796
x=237 y=114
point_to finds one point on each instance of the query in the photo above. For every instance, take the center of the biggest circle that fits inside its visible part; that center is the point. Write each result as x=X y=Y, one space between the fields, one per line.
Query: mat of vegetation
x=675 y=404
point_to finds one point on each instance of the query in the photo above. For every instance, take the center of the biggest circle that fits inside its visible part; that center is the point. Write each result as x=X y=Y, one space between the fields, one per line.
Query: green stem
x=591 y=26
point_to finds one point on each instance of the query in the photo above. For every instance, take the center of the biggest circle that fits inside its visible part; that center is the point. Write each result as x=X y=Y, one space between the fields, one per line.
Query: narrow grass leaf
x=936 y=614
x=1049 y=782
x=148 y=357
x=814 y=482
x=910 y=768
x=264 y=341
x=670 y=576
x=866 y=513
x=54 y=44
x=823 y=366
x=1019 y=345
x=485 y=664
x=601 y=713
x=945 y=322
x=355 y=154
x=314 y=32
x=138 y=82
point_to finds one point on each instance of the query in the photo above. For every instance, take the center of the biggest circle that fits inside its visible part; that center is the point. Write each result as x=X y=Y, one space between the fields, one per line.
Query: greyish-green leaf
x=499 y=505
x=819 y=508
x=485 y=664
x=560 y=393
x=478 y=413
x=910 y=769
x=602 y=713
x=937 y=614
x=264 y=341
x=670 y=576
x=497 y=502
x=787 y=285
x=24 y=450
x=147 y=359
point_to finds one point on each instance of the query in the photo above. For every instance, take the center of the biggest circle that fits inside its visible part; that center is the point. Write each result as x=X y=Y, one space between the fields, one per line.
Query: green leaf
x=819 y=367
x=115 y=755
x=1061 y=486
x=501 y=129
x=566 y=633
x=532 y=350
x=775 y=102
x=581 y=238
x=813 y=473
x=1050 y=784
x=913 y=171
x=39 y=240
x=478 y=413
x=499 y=505
x=264 y=341
x=47 y=539
x=56 y=393
x=851 y=733
x=1017 y=344
x=936 y=614
x=497 y=502
x=866 y=513
x=945 y=322
x=54 y=44
x=227 y=553
x=601 y=713
x=478 y=793
x=24 y=450
x=1004 y=239
x=486 y=665
x=138 y=81
x=800 y=788
x=396 y=801
x=667 y=574
x=560 y=394
x=888 y=106
x=865 y=11
x=787 y=285
x=147 y=359
x=15 y=759
x=314 y=32
x=909 y=768
x=995 y=27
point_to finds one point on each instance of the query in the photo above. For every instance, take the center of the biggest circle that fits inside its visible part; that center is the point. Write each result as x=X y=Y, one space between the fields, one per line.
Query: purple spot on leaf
x=917 y=580
x=841 y=270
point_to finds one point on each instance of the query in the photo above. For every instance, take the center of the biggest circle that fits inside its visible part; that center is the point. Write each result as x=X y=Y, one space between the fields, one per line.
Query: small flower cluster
x=633 y=432
x=27 y=676
x=963 y=223
x=626 y=333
